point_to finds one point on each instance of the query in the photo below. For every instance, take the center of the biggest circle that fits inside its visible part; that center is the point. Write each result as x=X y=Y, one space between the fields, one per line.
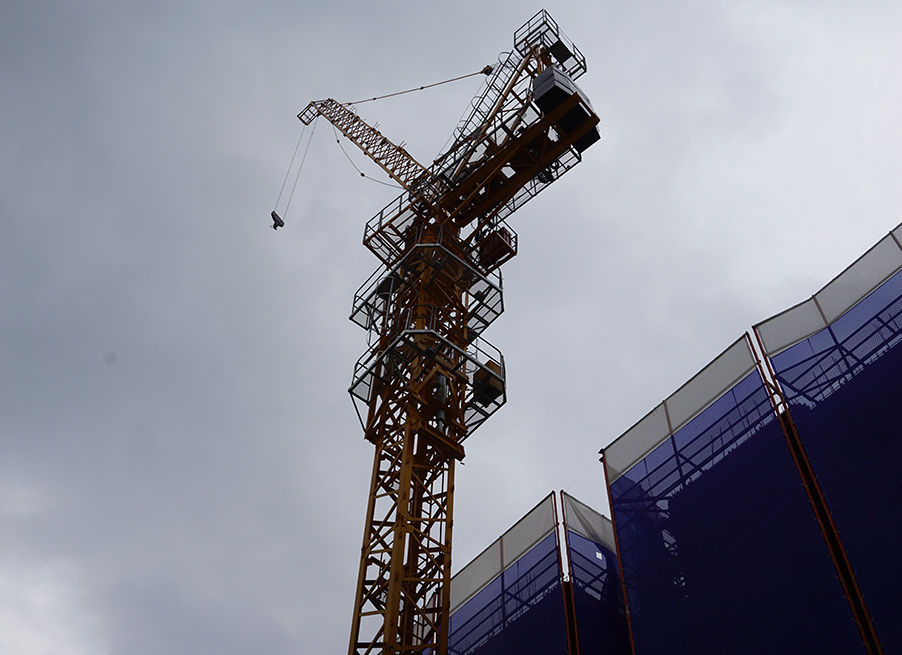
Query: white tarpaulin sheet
x=586 y=522
x=839 y=296
x=682 y=406
x=636 y=443
x=503 y=552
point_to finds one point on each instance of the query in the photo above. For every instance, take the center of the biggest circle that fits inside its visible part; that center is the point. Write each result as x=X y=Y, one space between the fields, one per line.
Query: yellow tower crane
x=429 y=379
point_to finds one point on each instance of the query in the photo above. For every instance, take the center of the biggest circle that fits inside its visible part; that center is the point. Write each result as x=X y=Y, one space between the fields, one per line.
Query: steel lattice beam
x=393 y=159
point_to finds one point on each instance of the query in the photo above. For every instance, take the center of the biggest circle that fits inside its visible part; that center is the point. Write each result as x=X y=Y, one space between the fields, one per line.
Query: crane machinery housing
x=429 y=379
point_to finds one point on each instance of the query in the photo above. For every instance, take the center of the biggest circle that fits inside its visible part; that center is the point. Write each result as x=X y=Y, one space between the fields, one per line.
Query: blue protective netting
x=844 y=385
x=520 y=611
x=720 y=550
x=597 y=598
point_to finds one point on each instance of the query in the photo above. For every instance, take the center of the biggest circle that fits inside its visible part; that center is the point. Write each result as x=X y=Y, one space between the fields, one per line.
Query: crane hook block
x=277 y=221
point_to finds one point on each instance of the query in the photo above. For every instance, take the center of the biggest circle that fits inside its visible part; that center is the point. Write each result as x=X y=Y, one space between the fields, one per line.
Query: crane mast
x=428 y=378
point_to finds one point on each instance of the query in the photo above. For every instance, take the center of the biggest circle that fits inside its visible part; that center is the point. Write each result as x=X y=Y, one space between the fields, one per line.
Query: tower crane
x=429 y=379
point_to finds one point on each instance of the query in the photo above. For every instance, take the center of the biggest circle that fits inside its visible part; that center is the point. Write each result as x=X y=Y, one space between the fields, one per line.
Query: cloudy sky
x=181 y=469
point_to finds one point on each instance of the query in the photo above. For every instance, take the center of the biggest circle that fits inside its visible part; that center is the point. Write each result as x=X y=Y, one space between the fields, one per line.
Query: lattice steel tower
x=429 y=379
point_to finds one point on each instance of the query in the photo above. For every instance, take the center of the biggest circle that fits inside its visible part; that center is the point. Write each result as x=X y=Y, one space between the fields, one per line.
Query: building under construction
x=756 y=509
x=759 y=508
x=550 y=584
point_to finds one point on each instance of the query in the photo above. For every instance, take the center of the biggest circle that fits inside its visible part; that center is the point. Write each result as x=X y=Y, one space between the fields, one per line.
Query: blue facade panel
x=597 y=598
x=844 y=386
x=520 y=611
x=720 y=550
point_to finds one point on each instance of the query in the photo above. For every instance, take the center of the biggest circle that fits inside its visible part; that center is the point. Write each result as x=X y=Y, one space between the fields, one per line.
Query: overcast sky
x=181 y=468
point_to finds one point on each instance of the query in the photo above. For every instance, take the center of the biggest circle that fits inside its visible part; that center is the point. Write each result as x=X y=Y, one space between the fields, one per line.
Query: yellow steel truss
x=429 y=380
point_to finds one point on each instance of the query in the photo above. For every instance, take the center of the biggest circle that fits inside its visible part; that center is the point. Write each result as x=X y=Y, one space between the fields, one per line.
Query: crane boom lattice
x=429 y=379
x=393 y=159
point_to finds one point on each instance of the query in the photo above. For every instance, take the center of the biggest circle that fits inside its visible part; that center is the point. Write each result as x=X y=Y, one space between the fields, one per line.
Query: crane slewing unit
x=429 y=379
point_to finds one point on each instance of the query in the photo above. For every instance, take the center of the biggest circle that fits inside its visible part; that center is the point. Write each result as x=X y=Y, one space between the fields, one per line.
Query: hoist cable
x=288 y=172
x=301 y=166
x=485 y=71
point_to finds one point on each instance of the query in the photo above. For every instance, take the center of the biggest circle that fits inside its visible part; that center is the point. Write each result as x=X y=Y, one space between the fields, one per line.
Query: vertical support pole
x=818 y=503
x=626 y=600
x=444 y=604
x=400 y=535
x=566 y=577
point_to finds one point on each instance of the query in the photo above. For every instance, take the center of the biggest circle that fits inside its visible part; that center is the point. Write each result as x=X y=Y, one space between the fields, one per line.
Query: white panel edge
x=710 y=383
x=633 y=445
